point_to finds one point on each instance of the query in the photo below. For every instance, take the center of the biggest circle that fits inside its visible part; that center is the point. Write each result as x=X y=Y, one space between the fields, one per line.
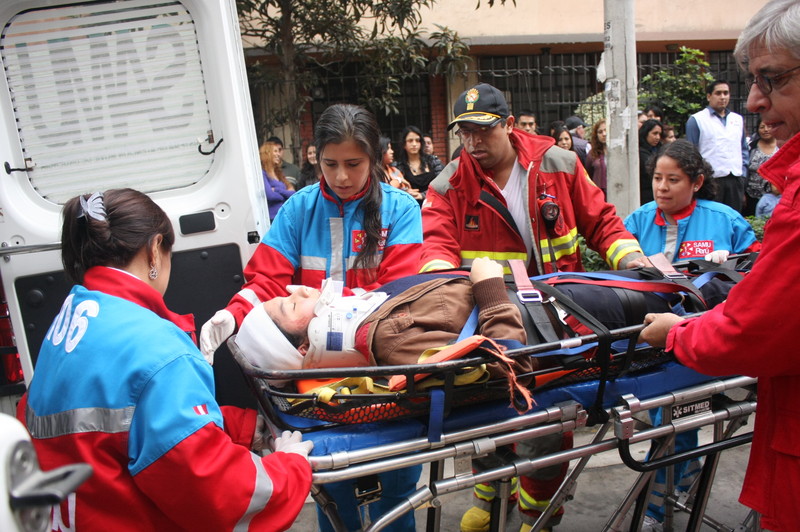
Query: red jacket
x=124 y=389
x=753 y=333
x=459 y=226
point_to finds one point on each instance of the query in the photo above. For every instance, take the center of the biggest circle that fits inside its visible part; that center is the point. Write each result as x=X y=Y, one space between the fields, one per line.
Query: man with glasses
x=754 y=331
x=720 y=136
x=513 y=195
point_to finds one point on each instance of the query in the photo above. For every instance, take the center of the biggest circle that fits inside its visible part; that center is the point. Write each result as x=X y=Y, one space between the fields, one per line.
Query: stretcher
x=445 y=427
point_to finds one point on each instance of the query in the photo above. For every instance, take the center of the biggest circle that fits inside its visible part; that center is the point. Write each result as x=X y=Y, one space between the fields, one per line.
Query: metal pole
x=617 y=70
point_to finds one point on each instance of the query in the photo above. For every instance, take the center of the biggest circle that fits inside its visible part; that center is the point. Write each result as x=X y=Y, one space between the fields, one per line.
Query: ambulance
x=147 y=94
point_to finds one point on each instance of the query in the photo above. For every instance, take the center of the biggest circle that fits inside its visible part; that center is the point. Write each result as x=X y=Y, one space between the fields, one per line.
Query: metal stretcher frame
x=355 y=451
x=468 y=444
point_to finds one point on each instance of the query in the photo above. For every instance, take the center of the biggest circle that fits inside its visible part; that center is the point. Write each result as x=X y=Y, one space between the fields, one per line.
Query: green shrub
x=592 y=261
x=757 y=223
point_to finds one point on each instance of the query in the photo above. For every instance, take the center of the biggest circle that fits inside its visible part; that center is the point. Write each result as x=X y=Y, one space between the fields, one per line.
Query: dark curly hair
x=692 y=163
x=132 y=221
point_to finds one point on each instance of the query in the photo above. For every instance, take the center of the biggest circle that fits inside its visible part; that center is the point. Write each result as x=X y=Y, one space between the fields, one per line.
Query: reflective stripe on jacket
x=459 y=226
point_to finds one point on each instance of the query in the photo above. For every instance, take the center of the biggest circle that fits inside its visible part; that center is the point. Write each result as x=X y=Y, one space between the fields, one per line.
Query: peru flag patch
x=201 y=410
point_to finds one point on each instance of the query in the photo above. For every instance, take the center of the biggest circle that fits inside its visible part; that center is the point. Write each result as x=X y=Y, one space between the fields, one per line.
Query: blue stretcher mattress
x=658 y=381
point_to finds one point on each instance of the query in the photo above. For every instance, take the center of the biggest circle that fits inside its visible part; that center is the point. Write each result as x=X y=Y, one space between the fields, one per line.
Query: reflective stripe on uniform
x=261 y=495
x=562 y=246
x=436 y=264
x=318 y=264
x=338 y=242
x=467 y=257
x=526 y=502
x=249 y=296
x=79 y=420
x=487 y=492
x=619 y=249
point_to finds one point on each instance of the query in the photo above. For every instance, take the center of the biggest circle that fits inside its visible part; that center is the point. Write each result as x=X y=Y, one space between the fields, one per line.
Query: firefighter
x=513 y=195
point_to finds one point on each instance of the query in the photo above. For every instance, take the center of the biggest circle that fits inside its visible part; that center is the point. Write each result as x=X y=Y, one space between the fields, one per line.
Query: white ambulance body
x=147 y=94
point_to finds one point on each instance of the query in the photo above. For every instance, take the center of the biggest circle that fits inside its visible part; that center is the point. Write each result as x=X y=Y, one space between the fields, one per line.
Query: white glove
x=719 y=256
x=292 y=442
x=214 y=332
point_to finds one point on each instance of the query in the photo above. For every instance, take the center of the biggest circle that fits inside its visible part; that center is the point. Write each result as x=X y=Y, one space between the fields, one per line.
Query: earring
x=153 y=273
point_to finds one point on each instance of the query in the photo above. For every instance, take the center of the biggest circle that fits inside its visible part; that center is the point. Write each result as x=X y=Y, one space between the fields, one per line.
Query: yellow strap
x=469 y=375
x=346 y=386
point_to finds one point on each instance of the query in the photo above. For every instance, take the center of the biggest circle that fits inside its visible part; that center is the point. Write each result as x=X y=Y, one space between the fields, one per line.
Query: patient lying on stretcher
x=392 y=326
x=395 y=324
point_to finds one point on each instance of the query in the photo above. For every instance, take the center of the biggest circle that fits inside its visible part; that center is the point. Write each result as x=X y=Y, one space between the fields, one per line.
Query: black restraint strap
x=665 y=268
x=497 y=205
x=634 y=304
x=531 y=300
x=597 y=414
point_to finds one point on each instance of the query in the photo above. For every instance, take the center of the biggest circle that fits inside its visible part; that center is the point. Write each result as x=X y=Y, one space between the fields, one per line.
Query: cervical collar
x=332 y=332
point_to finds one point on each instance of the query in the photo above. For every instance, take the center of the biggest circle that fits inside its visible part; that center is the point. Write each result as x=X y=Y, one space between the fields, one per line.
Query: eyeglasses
x=481 y=131
x=767 y=83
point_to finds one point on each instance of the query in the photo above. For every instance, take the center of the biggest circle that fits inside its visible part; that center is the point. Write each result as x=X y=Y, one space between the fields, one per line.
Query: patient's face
x=294 y=312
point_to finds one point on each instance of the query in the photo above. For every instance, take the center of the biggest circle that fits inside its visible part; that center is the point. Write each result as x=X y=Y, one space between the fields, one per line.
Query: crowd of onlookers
x=410 y=164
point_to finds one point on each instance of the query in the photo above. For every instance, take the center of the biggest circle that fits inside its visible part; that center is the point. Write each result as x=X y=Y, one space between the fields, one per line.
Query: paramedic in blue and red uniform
x=351 y=227
x=754 y=331
x=684 y=223
x=513 y=195
x=120 y=385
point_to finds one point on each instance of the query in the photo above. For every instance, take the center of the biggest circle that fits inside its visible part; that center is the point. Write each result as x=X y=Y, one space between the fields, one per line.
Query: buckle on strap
x=660 y=262
x=529 y=295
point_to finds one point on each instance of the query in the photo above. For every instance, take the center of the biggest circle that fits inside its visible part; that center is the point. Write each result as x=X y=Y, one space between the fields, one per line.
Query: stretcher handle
x=687 y=263
x=616 y=334
x=703 y=450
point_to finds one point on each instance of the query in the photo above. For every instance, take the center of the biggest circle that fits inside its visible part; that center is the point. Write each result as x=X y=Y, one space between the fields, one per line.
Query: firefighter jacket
x=119 y=385
x=753 y=333
x=316 y=235
x=702 y=227
x=460 y=225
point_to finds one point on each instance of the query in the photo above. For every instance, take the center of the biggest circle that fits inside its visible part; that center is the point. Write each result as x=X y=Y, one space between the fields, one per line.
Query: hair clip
x=93 y=207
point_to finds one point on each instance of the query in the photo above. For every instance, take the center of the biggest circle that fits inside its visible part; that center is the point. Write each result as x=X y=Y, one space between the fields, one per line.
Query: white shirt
x=517 y=205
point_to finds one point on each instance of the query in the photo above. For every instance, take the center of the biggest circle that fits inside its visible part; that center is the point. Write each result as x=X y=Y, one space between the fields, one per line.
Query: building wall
x=569 y=21
x=535 y=27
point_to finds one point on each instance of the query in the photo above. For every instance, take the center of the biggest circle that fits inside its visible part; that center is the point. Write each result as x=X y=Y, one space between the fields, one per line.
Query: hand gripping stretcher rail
x=359 y=435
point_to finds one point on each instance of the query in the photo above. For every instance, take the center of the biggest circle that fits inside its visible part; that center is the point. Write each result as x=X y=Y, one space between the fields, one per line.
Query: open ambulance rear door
x=147 y=94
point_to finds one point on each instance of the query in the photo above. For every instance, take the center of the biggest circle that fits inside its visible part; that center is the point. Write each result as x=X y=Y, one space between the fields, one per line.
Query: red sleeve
x=240 y=424
x=754 y=331
x=226 y=485
x=398 y=261
x=754 y=247
x=440 y=247
x=266 y=275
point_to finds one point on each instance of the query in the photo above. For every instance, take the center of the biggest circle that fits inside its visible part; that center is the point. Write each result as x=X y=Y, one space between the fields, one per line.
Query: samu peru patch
x=472 y=222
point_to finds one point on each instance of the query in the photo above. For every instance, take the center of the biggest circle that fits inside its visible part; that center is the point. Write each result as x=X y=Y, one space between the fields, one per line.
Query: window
x=107 y=95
